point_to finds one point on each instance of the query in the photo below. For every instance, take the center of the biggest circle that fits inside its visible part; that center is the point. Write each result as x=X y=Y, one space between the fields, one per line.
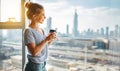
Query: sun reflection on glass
x=10 y=10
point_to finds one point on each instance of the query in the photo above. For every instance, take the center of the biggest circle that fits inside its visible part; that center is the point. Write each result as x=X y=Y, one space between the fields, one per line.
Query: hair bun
x=27 y=4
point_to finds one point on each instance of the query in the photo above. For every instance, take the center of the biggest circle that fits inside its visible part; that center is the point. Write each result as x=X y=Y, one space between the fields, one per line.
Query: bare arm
x=36 y=49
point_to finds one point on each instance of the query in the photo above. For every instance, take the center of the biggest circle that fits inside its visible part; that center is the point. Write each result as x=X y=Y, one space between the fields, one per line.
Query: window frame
x=17 y=25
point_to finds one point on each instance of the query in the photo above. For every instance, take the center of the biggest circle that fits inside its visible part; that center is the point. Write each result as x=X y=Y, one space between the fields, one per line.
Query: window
x=11 y=28
x=78 y=24
x=11 y=14
x=11 y=49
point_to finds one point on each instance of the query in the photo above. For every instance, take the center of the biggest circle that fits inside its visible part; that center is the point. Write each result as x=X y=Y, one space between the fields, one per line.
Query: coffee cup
x=52 y=30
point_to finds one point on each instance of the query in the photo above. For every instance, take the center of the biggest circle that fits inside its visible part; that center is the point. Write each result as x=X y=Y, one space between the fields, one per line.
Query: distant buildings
x=101 y=43
x=14 y=35
x=102 y=31
x=107 y=31
x=67 y=30
x=116 y=30
x=88 y=33
x=49 y=24
x=75 y=25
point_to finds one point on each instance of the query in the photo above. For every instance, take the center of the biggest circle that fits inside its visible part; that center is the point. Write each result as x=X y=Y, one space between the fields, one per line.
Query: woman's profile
x=35 y=39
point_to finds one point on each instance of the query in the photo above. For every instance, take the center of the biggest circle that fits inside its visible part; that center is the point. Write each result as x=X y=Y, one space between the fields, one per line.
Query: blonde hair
x=32 y=9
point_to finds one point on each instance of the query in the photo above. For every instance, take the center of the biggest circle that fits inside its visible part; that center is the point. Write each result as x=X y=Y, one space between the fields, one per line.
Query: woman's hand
x=51 y=37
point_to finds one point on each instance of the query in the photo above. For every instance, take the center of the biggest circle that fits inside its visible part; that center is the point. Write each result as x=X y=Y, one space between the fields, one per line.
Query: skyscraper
x=107 y=31
x=102 y=31
x=49 y=24
x=88 y=31
x=116 y=30
x=98 y=32
x=67 y=29
x=75 y=24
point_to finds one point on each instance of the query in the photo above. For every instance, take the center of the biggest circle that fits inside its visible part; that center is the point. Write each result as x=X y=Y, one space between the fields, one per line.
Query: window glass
x=10 y=10
x=10 y=50
x=88 y=34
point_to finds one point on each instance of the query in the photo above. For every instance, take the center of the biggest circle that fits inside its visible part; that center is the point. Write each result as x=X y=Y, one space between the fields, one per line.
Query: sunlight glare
x=10 y=9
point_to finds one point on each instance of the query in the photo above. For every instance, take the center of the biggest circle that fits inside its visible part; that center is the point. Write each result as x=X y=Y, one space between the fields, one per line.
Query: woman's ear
x=34 y=17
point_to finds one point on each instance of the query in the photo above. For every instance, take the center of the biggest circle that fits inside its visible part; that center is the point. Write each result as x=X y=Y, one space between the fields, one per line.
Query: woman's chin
x=40 y=22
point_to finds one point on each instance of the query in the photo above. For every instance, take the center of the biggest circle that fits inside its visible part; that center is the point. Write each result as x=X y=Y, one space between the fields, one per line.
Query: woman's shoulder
x=27 y=30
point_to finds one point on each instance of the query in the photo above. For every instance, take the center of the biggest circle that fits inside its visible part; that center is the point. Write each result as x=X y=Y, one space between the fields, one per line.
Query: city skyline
x=91 y=13
x=102 y=31
x=96 y=46
x=95 y=15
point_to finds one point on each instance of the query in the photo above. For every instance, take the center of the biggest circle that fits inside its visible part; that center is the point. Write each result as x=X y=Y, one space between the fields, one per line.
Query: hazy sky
x=10 y=9
x=92 y=14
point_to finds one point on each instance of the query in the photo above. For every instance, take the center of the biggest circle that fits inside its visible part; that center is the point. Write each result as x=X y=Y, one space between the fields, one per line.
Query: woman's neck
x=33 y=25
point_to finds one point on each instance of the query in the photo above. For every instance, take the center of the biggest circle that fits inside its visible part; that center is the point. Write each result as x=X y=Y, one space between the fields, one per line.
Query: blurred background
x=88 y=34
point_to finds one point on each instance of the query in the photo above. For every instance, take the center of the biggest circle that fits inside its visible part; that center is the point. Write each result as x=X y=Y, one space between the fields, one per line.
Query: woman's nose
x=45 y=17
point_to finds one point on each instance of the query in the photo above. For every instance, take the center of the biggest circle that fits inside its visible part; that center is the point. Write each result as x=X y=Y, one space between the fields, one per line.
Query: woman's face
x=39 y=18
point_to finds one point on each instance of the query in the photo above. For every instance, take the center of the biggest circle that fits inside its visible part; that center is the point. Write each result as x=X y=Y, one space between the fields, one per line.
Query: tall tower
x=75 y=24
x=67 y=29
x=102 y=31
x=107 y=31
x=116 y=30
x=49 y=24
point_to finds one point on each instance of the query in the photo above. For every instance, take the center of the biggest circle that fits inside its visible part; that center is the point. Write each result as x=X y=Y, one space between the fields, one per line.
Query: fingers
x=51 y=36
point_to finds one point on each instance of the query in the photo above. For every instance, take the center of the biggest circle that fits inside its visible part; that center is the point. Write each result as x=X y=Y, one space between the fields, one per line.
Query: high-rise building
x=75 y=24
x=116 y=30
x=107 y=31
x=98 y=32
x=67 y=29
x=88 y=31
x=92 y=32
x=49 y=24
x=102 y=31
x=111 y=33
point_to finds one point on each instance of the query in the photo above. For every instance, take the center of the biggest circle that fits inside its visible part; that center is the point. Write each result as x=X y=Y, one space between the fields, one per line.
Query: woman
x=35 y=39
